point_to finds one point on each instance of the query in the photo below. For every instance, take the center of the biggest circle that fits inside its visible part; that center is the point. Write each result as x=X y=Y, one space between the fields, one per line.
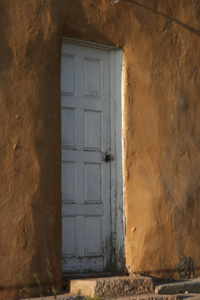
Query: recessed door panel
x=92 y=130
x=68 y=127
x=93 y=235
x=92 y=77
x=93 y=179
x=68 y=235
x=68 y=78
x=68 y=181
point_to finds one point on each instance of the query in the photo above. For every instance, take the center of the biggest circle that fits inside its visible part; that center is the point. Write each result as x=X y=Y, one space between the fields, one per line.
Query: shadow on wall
x=184 y=270
x=154 y=10
x=88 y=28
x=5 y=50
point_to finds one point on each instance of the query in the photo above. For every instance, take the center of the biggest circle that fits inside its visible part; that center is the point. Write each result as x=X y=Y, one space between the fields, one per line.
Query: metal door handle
x=107 y=157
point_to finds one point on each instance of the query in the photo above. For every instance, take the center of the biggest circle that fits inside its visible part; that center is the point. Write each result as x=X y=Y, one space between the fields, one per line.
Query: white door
x=85 y=175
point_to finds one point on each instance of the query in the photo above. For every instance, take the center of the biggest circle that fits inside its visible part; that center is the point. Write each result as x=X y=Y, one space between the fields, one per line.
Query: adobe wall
x=161 y=46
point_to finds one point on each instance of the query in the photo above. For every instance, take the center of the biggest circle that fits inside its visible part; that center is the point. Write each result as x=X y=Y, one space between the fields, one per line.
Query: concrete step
x=112 y=286
x=190 y=286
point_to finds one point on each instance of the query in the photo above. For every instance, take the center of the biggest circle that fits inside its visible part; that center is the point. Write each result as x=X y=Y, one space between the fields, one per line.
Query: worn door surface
x=85 y=175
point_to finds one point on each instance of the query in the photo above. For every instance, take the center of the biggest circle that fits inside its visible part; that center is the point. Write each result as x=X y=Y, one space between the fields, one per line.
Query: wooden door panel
x=92 y=78
x=92 y=139
x=68 y=78
x=93 y=236
x=93 y=189
x=68 y=235
x=69 y=177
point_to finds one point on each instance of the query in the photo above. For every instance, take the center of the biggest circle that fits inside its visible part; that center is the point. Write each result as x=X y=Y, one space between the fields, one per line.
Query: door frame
x=117 y=209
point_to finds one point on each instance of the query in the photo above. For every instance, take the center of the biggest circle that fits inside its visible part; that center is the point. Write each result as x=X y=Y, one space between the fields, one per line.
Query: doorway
x=92 y=185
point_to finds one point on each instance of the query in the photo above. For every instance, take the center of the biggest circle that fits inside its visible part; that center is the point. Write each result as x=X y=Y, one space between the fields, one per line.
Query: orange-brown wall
x=161 y=43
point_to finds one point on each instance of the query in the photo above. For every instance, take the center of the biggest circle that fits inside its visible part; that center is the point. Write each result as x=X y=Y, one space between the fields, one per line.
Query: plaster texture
x=161 y=138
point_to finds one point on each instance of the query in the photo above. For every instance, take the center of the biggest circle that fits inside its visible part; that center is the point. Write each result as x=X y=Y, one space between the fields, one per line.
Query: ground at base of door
x=69 y=296
x=130 y=288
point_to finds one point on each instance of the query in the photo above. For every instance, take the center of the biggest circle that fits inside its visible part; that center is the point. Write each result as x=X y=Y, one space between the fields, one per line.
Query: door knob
x=107 y=157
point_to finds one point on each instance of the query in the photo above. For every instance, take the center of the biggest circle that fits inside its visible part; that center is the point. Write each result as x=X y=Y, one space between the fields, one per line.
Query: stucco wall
x=161 y=46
